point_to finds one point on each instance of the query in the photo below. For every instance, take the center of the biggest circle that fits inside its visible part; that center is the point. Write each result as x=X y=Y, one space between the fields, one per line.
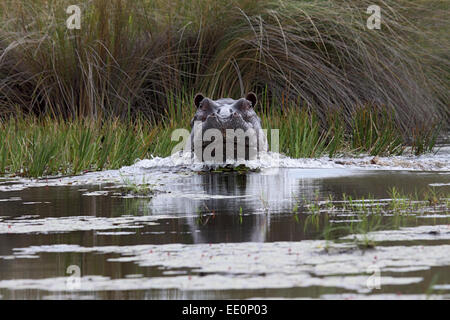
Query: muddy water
x=218 y=235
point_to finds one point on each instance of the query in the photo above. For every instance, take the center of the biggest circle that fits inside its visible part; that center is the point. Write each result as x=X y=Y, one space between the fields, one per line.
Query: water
x=211 y=235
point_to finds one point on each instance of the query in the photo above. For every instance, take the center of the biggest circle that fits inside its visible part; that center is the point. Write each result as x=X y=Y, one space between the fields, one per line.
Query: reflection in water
x=200 y=208
x=267 y=200
x=224 y=197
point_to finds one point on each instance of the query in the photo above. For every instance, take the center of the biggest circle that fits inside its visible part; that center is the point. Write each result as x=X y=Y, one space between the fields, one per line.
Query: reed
x=36 y=146
x=137 y=57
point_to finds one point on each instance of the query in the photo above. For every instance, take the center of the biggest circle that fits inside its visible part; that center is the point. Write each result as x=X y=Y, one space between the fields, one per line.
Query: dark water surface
x=203 y=211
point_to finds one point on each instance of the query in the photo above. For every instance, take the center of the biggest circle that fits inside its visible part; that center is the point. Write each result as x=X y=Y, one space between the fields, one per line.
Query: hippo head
x=226 y=128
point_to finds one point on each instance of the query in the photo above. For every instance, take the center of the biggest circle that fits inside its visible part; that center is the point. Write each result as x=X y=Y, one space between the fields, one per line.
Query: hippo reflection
x=212 y=204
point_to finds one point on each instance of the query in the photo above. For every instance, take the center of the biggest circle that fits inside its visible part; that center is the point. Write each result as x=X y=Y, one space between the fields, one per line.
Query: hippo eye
x=246 y=106
x=204 y=107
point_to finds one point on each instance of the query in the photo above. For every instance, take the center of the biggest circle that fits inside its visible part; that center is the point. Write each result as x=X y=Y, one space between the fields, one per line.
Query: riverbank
x=36 y=147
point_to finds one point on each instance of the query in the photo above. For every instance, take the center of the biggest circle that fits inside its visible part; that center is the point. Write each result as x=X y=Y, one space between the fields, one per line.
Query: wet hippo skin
x=234 y=122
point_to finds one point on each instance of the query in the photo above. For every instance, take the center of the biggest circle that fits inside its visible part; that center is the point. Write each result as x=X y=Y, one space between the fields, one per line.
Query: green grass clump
x=423 y=138
x=137 y=189
x=376 y=133
x=398 y=204
x=34 y=147
x=371 y=130
x=299 y=131
x=368 y=215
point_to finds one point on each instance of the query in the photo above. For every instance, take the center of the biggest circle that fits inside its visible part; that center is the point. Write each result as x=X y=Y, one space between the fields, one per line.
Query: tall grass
x=33 y=147
x=372 y=130
x=136 y=56
x=36 y=146
x=375 y=133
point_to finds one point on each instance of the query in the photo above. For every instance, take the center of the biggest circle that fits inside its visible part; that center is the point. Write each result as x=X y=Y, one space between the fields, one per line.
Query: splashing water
x=436 y=162
x=157 y=169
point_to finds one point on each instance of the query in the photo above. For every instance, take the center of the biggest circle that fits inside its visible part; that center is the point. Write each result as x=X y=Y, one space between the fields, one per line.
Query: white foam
x=437 y=162
x=96 y=193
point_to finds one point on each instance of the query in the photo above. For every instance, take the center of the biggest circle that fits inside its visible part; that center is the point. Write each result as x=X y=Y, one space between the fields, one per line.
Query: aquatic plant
x=367 y=215
x=295 y=209
x=137 y=188
x=240 y=215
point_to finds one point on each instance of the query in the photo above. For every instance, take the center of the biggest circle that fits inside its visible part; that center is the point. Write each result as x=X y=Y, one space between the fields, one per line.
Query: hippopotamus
x=226 y=129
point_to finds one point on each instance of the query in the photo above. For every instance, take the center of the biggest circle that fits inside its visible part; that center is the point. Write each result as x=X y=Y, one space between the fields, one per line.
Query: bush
x=130 y=56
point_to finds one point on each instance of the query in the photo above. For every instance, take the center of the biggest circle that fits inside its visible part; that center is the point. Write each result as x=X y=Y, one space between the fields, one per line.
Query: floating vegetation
x=240 y=215
x=366 y=215
x=430 y=201
x=137 y=188
x=240 y=169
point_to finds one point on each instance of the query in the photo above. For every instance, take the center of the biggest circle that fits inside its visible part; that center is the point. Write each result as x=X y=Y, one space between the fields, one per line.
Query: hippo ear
x=198 y=98
x=252 y=98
